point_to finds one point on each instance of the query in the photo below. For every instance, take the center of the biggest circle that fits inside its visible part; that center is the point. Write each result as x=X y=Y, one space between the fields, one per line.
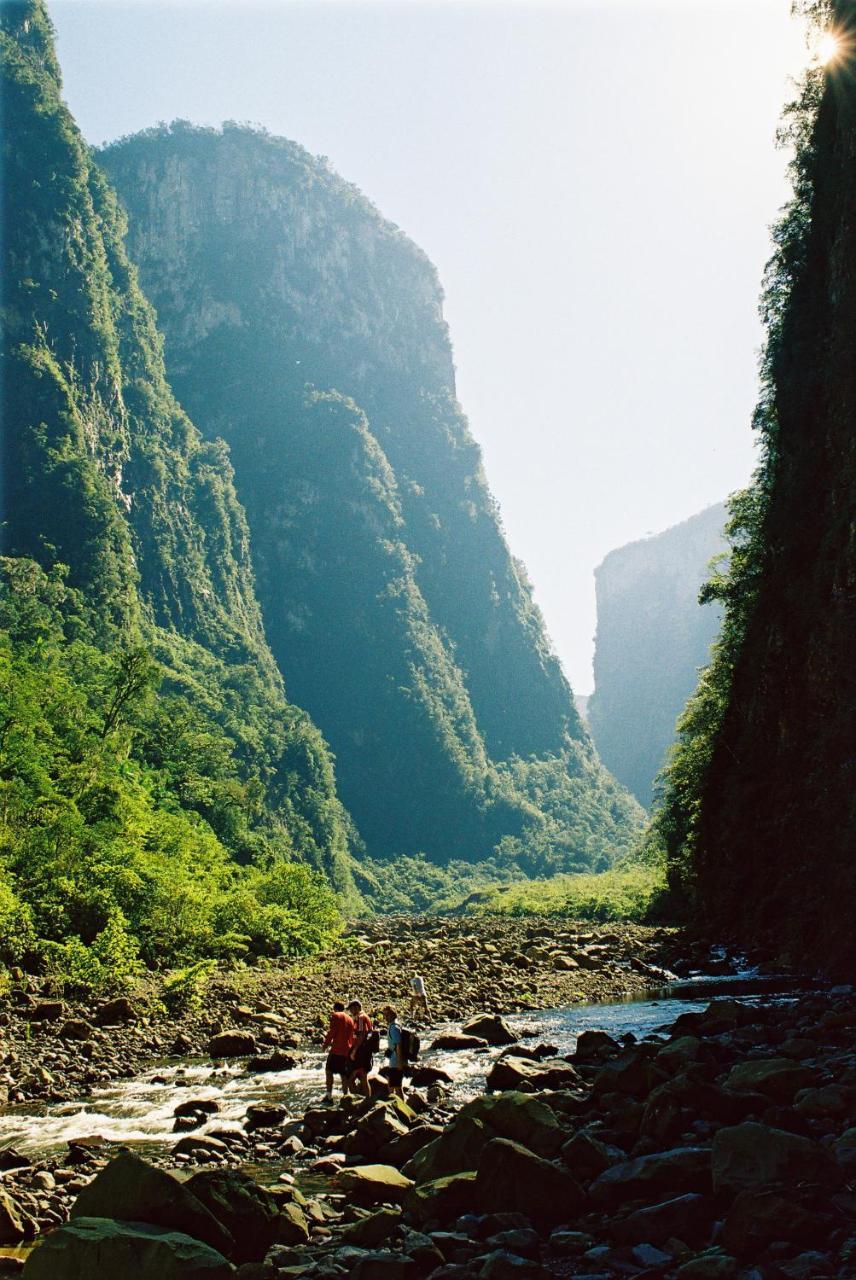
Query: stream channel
x=139 y=1112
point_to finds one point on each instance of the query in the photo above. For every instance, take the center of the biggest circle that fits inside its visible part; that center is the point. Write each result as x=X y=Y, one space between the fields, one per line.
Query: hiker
x=366 y=1040
x=418 y=998
x=339 y=1038
x=394 y=1052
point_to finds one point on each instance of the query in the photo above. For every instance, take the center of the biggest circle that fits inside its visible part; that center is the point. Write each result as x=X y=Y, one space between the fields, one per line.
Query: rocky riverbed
x=723 y=1145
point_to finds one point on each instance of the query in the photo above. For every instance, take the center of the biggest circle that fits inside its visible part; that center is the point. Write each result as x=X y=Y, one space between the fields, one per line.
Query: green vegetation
x=627 y=892
x=160 y=800
x=391 y=601
x=648 y=606
x=757 y=818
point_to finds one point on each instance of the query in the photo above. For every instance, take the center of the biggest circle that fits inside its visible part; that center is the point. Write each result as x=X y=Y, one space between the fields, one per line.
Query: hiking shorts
x=339 y=1064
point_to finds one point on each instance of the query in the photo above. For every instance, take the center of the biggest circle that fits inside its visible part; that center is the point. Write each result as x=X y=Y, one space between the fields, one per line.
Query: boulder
x=757 y=1218
x=371 y=1231
x=249 y=1212
x=457 y=1148
x=681 y=1169
x=382 y=1265
x=452 y=1041
x=232 y=1044
x=441 y=1199
x=687 y=1218
x=519 y=1073
x=502 y=1264
x=492 y=1028
x=423 y=1076
x=709 y=1266
x=15 y=1225
x=196 y=1143
x=197 y=1106
x=594 y=1046
x=264 y=1115
x=520 y=1117
x=47 y=1011
x=369 y=1184
x=276 y=1061
x=750 y=1157
x=130 y=1189
x=402 y=1149
x=845 y=1150
x=777 y=1078
x=587 y=1157
x=632 y=1073
x=75 y=1029
x=115 y=1011
x=511 y=1178
x=90 y=1248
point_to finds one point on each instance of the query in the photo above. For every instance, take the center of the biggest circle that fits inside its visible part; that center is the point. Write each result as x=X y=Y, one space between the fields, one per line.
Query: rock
x=91 y=1248
x=587 y=1157
x=459 y=1145
x=776 y=1078
x=563 y=964
x=47 y=1011
x=423 y=1076
x=831 y=1100
x=249 y=1212
x=492 y=1028
x=632 y=1073
x=371 y=1231
x=646 y=1255
x=681 y=1169
x=521 y=1118
x=504 y=1265
x=569 y=1243
x=750 y=1156
x=130 y=1189
x=232 y=1044
x=11 y=1158
x=400 y=1150
x=594 y=1046
x=194 y=1143
x=264 y=1115
x=452 y=1041
x=277 y=1061
x=511 y=1178
x=373 y=1184
x=686 y=1218
x=845 y=1150
x=115 y=1011
x=15 y=1226
x=757 y=1218
x=519 y=1073
x=441 y=1198
x=712 y=1266
x=75 y=1029
x=202 y=1106
x=383 y=1266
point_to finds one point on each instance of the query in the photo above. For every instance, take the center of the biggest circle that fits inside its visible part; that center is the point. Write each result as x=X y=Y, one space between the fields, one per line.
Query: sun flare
x=828 y=48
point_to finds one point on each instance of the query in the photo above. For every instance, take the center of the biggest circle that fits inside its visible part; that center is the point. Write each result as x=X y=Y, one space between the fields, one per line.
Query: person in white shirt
x=418 y=998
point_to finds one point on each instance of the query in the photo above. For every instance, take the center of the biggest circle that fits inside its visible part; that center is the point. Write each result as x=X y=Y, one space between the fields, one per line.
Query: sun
x=828 y=48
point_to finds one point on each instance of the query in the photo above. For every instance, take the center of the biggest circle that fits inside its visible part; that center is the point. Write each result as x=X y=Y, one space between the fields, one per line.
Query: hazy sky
x=594 y=181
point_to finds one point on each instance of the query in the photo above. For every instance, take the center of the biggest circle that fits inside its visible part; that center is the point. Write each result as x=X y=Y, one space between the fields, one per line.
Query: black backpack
x=373 y=1041
x=410 y=1044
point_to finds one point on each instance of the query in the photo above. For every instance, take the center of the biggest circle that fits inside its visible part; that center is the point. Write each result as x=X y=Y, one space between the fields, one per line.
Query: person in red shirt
x=362 y=1060
x=339 y=1038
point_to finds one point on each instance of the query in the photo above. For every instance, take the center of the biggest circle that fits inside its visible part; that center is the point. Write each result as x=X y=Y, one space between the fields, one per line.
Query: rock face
x=91 y=1247
x=652 y=637
x=390 y=597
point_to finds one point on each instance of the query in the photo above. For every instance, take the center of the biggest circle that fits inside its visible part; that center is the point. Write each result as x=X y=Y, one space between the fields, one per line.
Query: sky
x=594 y=180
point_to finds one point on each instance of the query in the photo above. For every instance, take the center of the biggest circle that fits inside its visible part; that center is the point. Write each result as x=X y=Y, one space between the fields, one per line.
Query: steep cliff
x=125 y=561
x=390 y=598
x=652 y=638
x=759 y=819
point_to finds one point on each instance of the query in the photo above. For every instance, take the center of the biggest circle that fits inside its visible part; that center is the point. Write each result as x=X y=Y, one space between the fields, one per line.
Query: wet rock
x=681 y=1169
x=277 y=1061
x=752 y=1156
x=196 y=1106
x=232 y=1043
x=132 y=1190
x=492 y=1028
x=776 y=1078
x=251 y=1214
x=195 y=1144
x=374 y=1184
x=116 y=1011
x=264 y=1115
x=426 y=1075
x=518 y=1073
x=94 y=1247
x=512 y=1178
x=453 y=1041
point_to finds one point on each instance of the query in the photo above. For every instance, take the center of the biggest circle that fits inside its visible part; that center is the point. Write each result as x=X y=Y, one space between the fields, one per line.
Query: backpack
x=410 y=1044
x=373 y=1041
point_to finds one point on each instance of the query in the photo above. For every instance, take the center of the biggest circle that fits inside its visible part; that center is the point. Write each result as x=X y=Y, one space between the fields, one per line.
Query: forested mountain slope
x=652 y=638
x=309 y=333
x=126 y=564
x=759 y=812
